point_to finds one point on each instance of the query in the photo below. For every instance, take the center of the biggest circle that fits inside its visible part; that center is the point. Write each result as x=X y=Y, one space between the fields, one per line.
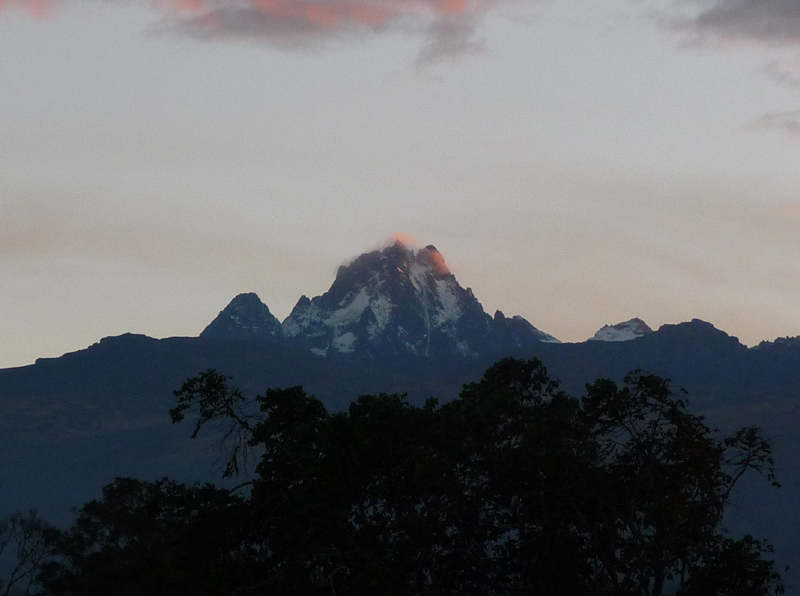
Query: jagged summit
x=395 y=264
x=245 y=318
x=395 y=301
x=516 y=331
x=622 y=331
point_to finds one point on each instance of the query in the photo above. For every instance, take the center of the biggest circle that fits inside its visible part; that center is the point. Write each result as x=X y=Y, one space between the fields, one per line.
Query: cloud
x=447 y=27
x=767 y=22
x=451 y=37
x=785 y=71
x=287 y=23
x=403 y=238
x=788 y=122
x=38 y=9
x=42 y=231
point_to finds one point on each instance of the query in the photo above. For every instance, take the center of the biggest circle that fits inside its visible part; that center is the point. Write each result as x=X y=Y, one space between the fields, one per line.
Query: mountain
x=68 y=425
x=398 y=302
x=245 y=318
x=622 y=331
x=508 y=334
x=394 y=320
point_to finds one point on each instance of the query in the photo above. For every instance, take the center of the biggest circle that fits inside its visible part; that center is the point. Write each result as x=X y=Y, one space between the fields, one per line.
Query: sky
x=576 y=162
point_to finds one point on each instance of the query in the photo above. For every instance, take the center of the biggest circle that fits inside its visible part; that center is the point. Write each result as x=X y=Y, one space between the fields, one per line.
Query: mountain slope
x=401 y=302
x=245 y=318
x=394 y=320
x=68 y=425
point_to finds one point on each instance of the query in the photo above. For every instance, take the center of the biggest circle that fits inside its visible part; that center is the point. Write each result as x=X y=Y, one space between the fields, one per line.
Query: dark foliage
x=23 y=550
x=158 y=538
x=515 y=488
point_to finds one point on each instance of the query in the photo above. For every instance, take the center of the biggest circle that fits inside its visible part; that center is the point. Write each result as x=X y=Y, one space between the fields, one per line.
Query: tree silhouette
x=23 y=550
x=515 y=488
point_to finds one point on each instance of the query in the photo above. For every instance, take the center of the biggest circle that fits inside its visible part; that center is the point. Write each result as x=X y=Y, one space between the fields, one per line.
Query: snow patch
x=450 y=310
x=381 y=307
x=622 y=331
x=418 y=274
x=345 y=343
x=296 y=323
x=350 y=313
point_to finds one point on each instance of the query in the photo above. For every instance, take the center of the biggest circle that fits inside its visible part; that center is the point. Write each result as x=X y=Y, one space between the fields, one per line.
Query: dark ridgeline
x=394 y=320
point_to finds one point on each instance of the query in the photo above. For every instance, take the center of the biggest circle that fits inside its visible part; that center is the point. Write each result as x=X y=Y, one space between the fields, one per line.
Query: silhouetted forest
x=513 y=488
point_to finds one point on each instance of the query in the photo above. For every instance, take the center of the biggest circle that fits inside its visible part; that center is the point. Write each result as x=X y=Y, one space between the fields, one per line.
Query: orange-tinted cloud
x=38 y=9
x=447 y=27
x=427 y=253
x=188 y=6
x=436 y=260
x=404 y=239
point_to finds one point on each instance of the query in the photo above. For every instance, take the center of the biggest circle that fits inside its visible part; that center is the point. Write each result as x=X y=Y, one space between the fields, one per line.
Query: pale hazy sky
x=577 y=162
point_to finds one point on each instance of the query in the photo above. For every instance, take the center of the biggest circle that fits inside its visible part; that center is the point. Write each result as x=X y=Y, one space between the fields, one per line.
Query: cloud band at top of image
x=767 y=22
x=448 y=28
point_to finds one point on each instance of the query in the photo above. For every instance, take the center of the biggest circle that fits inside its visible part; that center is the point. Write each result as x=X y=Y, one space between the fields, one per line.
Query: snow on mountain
x=396 y=300
x=622 y=331
x=399 y=301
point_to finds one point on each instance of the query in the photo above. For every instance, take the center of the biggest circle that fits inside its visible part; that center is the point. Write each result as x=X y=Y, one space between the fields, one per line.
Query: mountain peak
x=245 y=318
x=399 y=300
x=432 y=258
x=622 y=331
x=404 y=248
x=393 y=300
x=397 y=261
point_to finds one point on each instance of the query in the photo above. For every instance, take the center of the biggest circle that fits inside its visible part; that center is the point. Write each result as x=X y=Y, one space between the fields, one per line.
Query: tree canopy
x=514 y=488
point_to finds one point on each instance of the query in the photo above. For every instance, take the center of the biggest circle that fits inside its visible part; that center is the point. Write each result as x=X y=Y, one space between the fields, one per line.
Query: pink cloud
x=447 y=27
x=38 y=9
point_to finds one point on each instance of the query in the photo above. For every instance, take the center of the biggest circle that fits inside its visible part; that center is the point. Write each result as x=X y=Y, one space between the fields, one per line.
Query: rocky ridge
x=245 y=318
x=393 y=302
